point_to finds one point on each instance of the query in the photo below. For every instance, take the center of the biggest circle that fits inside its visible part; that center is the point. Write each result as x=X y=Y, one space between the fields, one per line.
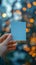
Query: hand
x=6 y=44
x=3 y=42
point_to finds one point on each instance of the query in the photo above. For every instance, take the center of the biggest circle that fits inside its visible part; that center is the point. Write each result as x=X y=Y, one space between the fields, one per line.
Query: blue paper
x=18 y=30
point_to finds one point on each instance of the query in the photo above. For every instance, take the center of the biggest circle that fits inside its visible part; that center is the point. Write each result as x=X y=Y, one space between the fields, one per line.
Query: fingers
x=11 y=48
x=11 y=45
x=9 y=37
x=3 y=37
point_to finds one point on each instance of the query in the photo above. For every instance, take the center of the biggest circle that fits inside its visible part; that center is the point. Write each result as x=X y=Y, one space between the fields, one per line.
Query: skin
x=6 y=44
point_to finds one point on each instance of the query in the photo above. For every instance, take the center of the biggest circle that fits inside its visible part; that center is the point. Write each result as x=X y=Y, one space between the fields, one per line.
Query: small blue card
x=18 y=30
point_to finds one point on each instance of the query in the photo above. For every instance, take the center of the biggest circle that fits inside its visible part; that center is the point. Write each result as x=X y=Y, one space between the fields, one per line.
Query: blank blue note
x=18 y=30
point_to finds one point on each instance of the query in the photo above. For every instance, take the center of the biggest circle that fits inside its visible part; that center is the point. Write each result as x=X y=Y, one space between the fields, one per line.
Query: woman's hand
x=6 y=44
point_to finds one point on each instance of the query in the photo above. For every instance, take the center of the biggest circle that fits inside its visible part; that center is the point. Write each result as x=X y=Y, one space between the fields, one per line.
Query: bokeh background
x=20 y=10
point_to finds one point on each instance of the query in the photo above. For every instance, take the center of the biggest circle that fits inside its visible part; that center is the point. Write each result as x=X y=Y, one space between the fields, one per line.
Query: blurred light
x=30 y=53
x=31 y=20
x=33 y=48
x=19 y=12
x=4 y=3
x=26 y=48
x=27 y=29
x=9 y=14
x=29 y=5
x=8 y=7
x=33 y=55
x=11 y=1
x=29 y=25
x=24 y=9
x=8 y=10
x=34 y=3
x=18 y=5
x=33 y=40
x=17 y=16
x=4 y=15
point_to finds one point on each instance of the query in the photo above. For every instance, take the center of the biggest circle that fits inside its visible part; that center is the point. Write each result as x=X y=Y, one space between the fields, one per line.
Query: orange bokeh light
x=24 y=9
x=34 y=3
x=18 y=11
x=27 y=30
x=31 y=20
x=29 y=5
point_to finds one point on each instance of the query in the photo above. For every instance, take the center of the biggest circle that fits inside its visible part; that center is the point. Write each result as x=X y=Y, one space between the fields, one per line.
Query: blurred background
x=24 y=11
